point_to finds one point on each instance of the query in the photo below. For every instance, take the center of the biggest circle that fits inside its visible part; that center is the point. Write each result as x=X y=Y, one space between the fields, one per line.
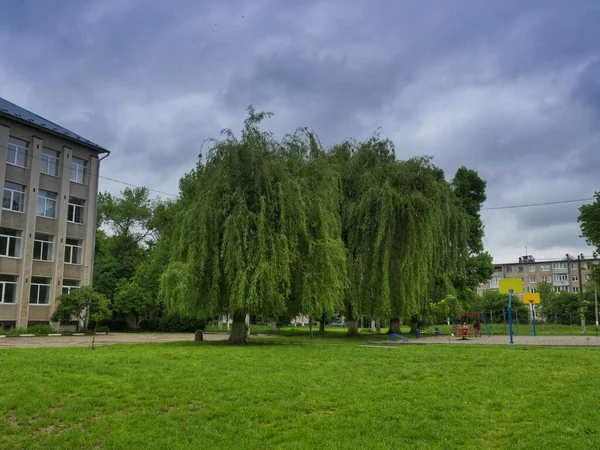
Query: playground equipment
x=511 y=286
x=464 y=324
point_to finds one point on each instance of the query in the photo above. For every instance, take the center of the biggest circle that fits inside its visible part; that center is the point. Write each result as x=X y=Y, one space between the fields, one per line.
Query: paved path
x=108 y=339
x=586 y=341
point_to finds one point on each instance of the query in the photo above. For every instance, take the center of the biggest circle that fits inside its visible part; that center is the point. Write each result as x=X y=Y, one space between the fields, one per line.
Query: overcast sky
x=508 y=88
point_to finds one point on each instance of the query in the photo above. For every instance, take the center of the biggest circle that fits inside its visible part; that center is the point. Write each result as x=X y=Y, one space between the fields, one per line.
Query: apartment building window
x=8 y=288
x=69 y=285
x=73 y=251
x=509 y=268
x=43 y=247
x=559 y=265
x=78 y=167
x=575 y=289
x=46 y=204
x=495 y=280
x=562 y=277
x=561 y=288
x=17 y=152
x=532 y=279
x=587 y=278
x=13 y=197
x=532 y=290
x=10 y=243
x=39 y=293
x=75 y=213
x=532 y=268
x=520 y=268
x=544 y=267
x=546 y=279
x=575 y=278
x=50 y=162
x=574 y=266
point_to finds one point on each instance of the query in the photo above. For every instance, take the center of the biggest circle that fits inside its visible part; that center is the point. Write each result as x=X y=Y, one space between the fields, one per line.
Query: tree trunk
x=378 y=326
x=238 y=330
x=414 y=324
x=310 y=333
x=394 y=326
x=372 y=325
x=322 y=324
x=351 y=323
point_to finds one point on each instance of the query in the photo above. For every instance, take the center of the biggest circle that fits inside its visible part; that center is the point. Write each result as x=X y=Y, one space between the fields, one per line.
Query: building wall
x=25 y=267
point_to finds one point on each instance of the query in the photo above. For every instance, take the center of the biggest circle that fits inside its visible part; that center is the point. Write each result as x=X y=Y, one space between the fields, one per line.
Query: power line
x=559 y=202
x=103 y=177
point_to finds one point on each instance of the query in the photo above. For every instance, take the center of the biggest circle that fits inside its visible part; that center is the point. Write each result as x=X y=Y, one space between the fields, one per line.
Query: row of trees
x=273 y=228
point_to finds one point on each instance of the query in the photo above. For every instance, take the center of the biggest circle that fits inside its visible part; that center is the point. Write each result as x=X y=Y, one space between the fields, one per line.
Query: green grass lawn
x=293 y=393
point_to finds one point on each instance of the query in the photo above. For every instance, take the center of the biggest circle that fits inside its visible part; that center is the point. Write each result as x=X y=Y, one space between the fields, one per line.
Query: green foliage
x=181 y=324
x=84 y=305
x=449 y=306
x=498 y=303
x=128 y=215
x=34 y=329
x=589 y=219
x=257 y=229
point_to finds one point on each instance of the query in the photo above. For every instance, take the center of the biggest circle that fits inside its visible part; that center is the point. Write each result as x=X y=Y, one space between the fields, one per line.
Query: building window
x=532 y=268
x=509 y=268
x=561 y=288
x=520 y=268
x=43 y=247
x=559 y=265
x=13 y=197
x=50 y=162
x=10 y=243
x=75 y=213
x=562 y=277
x=78 y=170
x=532 y=279
x=587 y=278
x=46 y=204
x=574 y=266
x=532 y=290
x=39 y=293
x=575 y=278
x=546 y=279
x=544 y=267
x=8 y=288
x=17 y=152
x=575 y=289
x=73 y=251
x=69 y=285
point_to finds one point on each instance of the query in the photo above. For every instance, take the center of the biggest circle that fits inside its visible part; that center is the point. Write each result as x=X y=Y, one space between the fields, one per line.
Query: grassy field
x=293 y=393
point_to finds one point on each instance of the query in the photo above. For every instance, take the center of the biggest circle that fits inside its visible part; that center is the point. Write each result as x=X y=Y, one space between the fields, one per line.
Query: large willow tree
x=404 y=230
x=257 y=231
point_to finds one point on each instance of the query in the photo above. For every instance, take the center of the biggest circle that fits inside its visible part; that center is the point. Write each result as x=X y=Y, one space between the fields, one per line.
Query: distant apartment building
x=48 y=215
x=562 y=274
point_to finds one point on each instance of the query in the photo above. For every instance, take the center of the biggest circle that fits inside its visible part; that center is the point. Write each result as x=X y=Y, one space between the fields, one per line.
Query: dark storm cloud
x=508 y=88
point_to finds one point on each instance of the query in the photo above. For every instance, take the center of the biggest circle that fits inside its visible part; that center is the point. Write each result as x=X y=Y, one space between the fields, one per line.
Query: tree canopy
x=589 y=219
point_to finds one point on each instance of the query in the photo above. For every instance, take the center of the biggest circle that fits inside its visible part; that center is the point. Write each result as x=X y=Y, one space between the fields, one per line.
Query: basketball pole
x=510 y=328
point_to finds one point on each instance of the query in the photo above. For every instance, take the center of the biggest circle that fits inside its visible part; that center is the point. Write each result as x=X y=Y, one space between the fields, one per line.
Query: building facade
x=48 y=216
x=563 y=274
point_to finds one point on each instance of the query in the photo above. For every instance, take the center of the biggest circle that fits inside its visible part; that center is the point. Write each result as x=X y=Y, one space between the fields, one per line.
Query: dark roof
x=17 y=113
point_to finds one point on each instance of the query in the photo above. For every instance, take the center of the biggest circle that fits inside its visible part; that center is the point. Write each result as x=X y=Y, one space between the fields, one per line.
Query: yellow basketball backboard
x=507 y=284
x=532 y=298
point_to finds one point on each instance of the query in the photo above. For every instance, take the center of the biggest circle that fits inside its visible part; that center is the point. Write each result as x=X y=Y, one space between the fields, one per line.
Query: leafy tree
x=129 y=215
x=589 y=219
x=494 y=301
x=84 y=305
x=257 y=231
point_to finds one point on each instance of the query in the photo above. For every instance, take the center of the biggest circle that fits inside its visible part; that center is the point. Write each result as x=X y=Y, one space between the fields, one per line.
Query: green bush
x=176 y=323
x=150 y=324
x=2 y=331
x=34 y=329
x=102 y=329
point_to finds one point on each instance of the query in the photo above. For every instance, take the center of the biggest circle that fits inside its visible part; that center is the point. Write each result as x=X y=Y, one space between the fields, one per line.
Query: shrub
x=176 y=323
x=149 y=325
x=102 y=329
x=40 y=329
x=2 y=332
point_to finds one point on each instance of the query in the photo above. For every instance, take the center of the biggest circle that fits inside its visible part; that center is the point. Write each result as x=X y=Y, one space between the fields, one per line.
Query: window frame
x=75 y=166
x=47 y=160
x=18 y=146
x=12 y=196
x=19 y=244
x=72 y=207
x=49 y=243
x=69 y=251
x=3 y=284
x=38 y=285
x=69 y=287
x=46 y=200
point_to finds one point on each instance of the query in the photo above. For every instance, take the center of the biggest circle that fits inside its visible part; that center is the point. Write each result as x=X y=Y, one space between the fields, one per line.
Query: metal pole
x=581 y=292
x=510 y=294
x=533 y=319
x=504 y=319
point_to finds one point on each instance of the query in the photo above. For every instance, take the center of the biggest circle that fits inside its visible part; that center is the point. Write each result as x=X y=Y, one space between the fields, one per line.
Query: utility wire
x=538 y=204
x=491 y=208
x=100 y=176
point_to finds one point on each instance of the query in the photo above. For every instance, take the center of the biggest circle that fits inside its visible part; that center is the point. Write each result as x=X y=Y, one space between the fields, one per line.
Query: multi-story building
x=563 y=274
x=48 y=215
